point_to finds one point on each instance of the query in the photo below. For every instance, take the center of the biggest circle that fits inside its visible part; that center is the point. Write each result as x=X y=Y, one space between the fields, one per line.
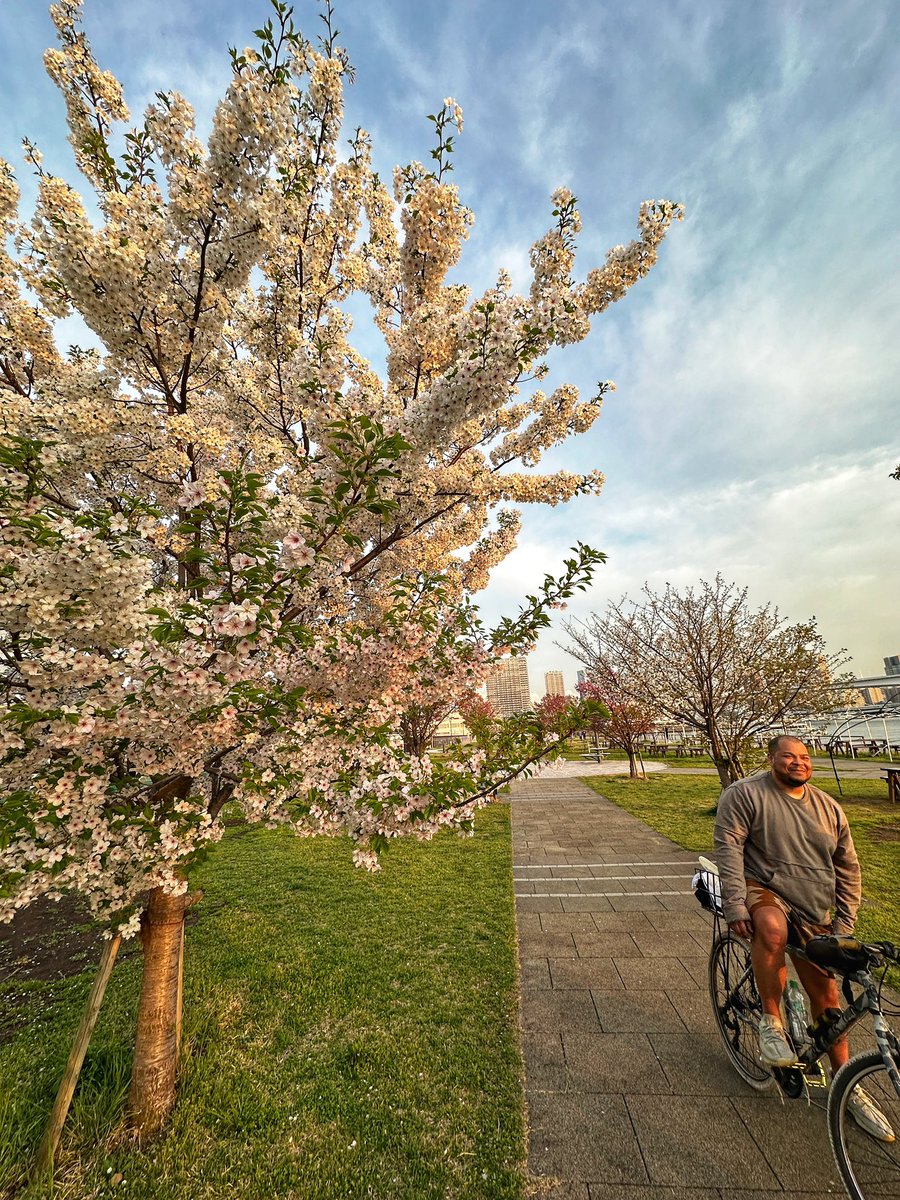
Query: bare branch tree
x=706 y=659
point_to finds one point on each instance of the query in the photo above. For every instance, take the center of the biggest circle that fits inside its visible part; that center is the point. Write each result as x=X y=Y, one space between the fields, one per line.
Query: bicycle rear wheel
x=737 y=1009
x=870 y=1168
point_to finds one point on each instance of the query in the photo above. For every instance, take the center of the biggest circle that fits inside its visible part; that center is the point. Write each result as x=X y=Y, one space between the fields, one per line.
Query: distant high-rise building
x=892 y=664
x=553 y=683
x=508 y=689
x=581 y=676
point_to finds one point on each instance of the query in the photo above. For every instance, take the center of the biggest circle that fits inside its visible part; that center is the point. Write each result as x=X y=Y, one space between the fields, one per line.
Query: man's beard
x=797 y=780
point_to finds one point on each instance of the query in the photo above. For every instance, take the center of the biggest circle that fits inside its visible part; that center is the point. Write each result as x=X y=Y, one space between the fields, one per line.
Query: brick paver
x=629 y=1092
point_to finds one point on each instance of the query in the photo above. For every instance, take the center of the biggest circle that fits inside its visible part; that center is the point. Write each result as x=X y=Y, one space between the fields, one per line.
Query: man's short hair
x=775 y=743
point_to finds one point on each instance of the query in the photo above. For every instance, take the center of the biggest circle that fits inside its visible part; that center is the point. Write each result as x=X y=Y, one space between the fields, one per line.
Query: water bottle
x=798 y=1017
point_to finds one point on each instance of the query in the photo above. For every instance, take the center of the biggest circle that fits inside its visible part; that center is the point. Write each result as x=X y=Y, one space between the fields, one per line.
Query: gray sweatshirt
x=800 y=849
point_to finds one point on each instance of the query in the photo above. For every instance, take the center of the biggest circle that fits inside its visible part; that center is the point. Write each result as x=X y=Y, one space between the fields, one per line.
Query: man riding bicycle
x=786 y=858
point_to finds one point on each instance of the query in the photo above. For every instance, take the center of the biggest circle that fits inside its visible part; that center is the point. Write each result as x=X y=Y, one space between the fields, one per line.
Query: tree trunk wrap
x=180 y=998
x=152 y=1094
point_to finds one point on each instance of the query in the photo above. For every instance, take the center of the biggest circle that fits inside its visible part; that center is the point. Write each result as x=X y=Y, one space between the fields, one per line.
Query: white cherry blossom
x=233 y=556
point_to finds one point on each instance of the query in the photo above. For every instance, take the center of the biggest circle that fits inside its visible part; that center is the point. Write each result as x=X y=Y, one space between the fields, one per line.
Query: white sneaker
x=868 y=1116
x=774 y=1048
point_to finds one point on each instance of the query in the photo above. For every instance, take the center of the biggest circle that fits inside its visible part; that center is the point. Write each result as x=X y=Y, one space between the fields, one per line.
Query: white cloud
x=812 y=544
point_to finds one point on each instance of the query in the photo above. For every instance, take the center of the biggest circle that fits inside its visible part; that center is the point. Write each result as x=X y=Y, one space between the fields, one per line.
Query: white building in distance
x=553 y=683
x=508 y=690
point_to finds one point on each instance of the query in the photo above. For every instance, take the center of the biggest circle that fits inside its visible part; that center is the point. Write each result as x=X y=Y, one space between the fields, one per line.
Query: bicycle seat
x=843 y=954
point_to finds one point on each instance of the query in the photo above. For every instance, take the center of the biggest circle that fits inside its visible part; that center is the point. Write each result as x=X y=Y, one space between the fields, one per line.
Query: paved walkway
x=630 y=1095
x=564 y=768
x=848 y=770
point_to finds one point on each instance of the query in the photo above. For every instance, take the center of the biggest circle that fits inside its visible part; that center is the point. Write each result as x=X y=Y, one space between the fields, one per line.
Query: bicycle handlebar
x=885 y=949
x=846 y=955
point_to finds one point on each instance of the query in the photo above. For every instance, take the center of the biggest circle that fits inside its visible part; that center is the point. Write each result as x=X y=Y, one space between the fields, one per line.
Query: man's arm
x=730 y=834
x=847 y=880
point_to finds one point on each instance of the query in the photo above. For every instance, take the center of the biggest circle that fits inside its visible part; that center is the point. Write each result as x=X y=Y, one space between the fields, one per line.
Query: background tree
x=479 y=715
x=707 y=660
x=547 y=726
x=231 y=555
x=554 y=711
x=419 y=721
x=629 y=719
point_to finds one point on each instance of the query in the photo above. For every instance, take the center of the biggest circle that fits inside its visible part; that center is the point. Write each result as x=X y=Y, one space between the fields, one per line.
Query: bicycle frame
x=866 y=1002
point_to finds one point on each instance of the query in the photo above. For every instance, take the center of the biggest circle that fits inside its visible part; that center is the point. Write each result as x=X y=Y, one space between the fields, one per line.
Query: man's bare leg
x=767 y=956
x=823 y=993
x=767 y=951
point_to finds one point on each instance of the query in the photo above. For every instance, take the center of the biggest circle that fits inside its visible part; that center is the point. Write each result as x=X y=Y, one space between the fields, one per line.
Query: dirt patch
x=885 y=833
x=50 y=939
x=53 y=939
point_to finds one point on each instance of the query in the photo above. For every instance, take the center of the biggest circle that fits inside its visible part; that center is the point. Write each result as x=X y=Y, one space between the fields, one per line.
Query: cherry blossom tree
x=628 y=719
x=478 y=713
x=705 y=658
x=552 y=711
x=231 y=553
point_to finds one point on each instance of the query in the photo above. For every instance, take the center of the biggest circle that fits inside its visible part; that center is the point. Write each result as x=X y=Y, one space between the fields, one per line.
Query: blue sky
x=756 y=415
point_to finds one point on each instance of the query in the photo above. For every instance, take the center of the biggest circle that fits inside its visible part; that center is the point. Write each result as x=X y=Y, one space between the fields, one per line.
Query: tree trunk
x=723 y=766
x=152 y=1094
x=728 y=766
x=632 y=763
x=722 y=758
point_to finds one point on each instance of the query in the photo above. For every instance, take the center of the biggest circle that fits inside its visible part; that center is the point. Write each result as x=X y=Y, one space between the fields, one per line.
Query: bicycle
x=868 y=1167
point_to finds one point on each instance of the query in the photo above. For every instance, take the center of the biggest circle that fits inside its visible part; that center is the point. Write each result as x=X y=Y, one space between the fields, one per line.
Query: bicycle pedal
x=790 y=1081
x=815 y=1077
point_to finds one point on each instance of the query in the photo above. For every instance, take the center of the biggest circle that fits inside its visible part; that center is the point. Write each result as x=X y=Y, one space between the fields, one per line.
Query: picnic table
x=595 y=755
x=892 y=775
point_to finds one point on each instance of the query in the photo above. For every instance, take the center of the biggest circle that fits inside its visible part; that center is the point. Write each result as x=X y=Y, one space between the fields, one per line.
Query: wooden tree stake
x=66 y=1091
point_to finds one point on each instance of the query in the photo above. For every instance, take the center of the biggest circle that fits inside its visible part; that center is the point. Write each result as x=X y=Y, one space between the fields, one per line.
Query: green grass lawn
x=572 y=750
x=682 y=808
x=572 y=753
x=346 y=1035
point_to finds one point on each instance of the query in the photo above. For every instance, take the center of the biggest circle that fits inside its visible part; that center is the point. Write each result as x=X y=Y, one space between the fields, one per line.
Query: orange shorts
x=759 y=897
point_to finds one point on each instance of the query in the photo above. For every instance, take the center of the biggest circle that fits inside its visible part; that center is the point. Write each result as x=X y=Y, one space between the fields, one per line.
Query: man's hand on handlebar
x=742 y=929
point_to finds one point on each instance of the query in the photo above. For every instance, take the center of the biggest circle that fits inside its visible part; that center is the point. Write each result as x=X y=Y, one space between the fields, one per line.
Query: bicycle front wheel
x=869 y=1166
x=737 y=1008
